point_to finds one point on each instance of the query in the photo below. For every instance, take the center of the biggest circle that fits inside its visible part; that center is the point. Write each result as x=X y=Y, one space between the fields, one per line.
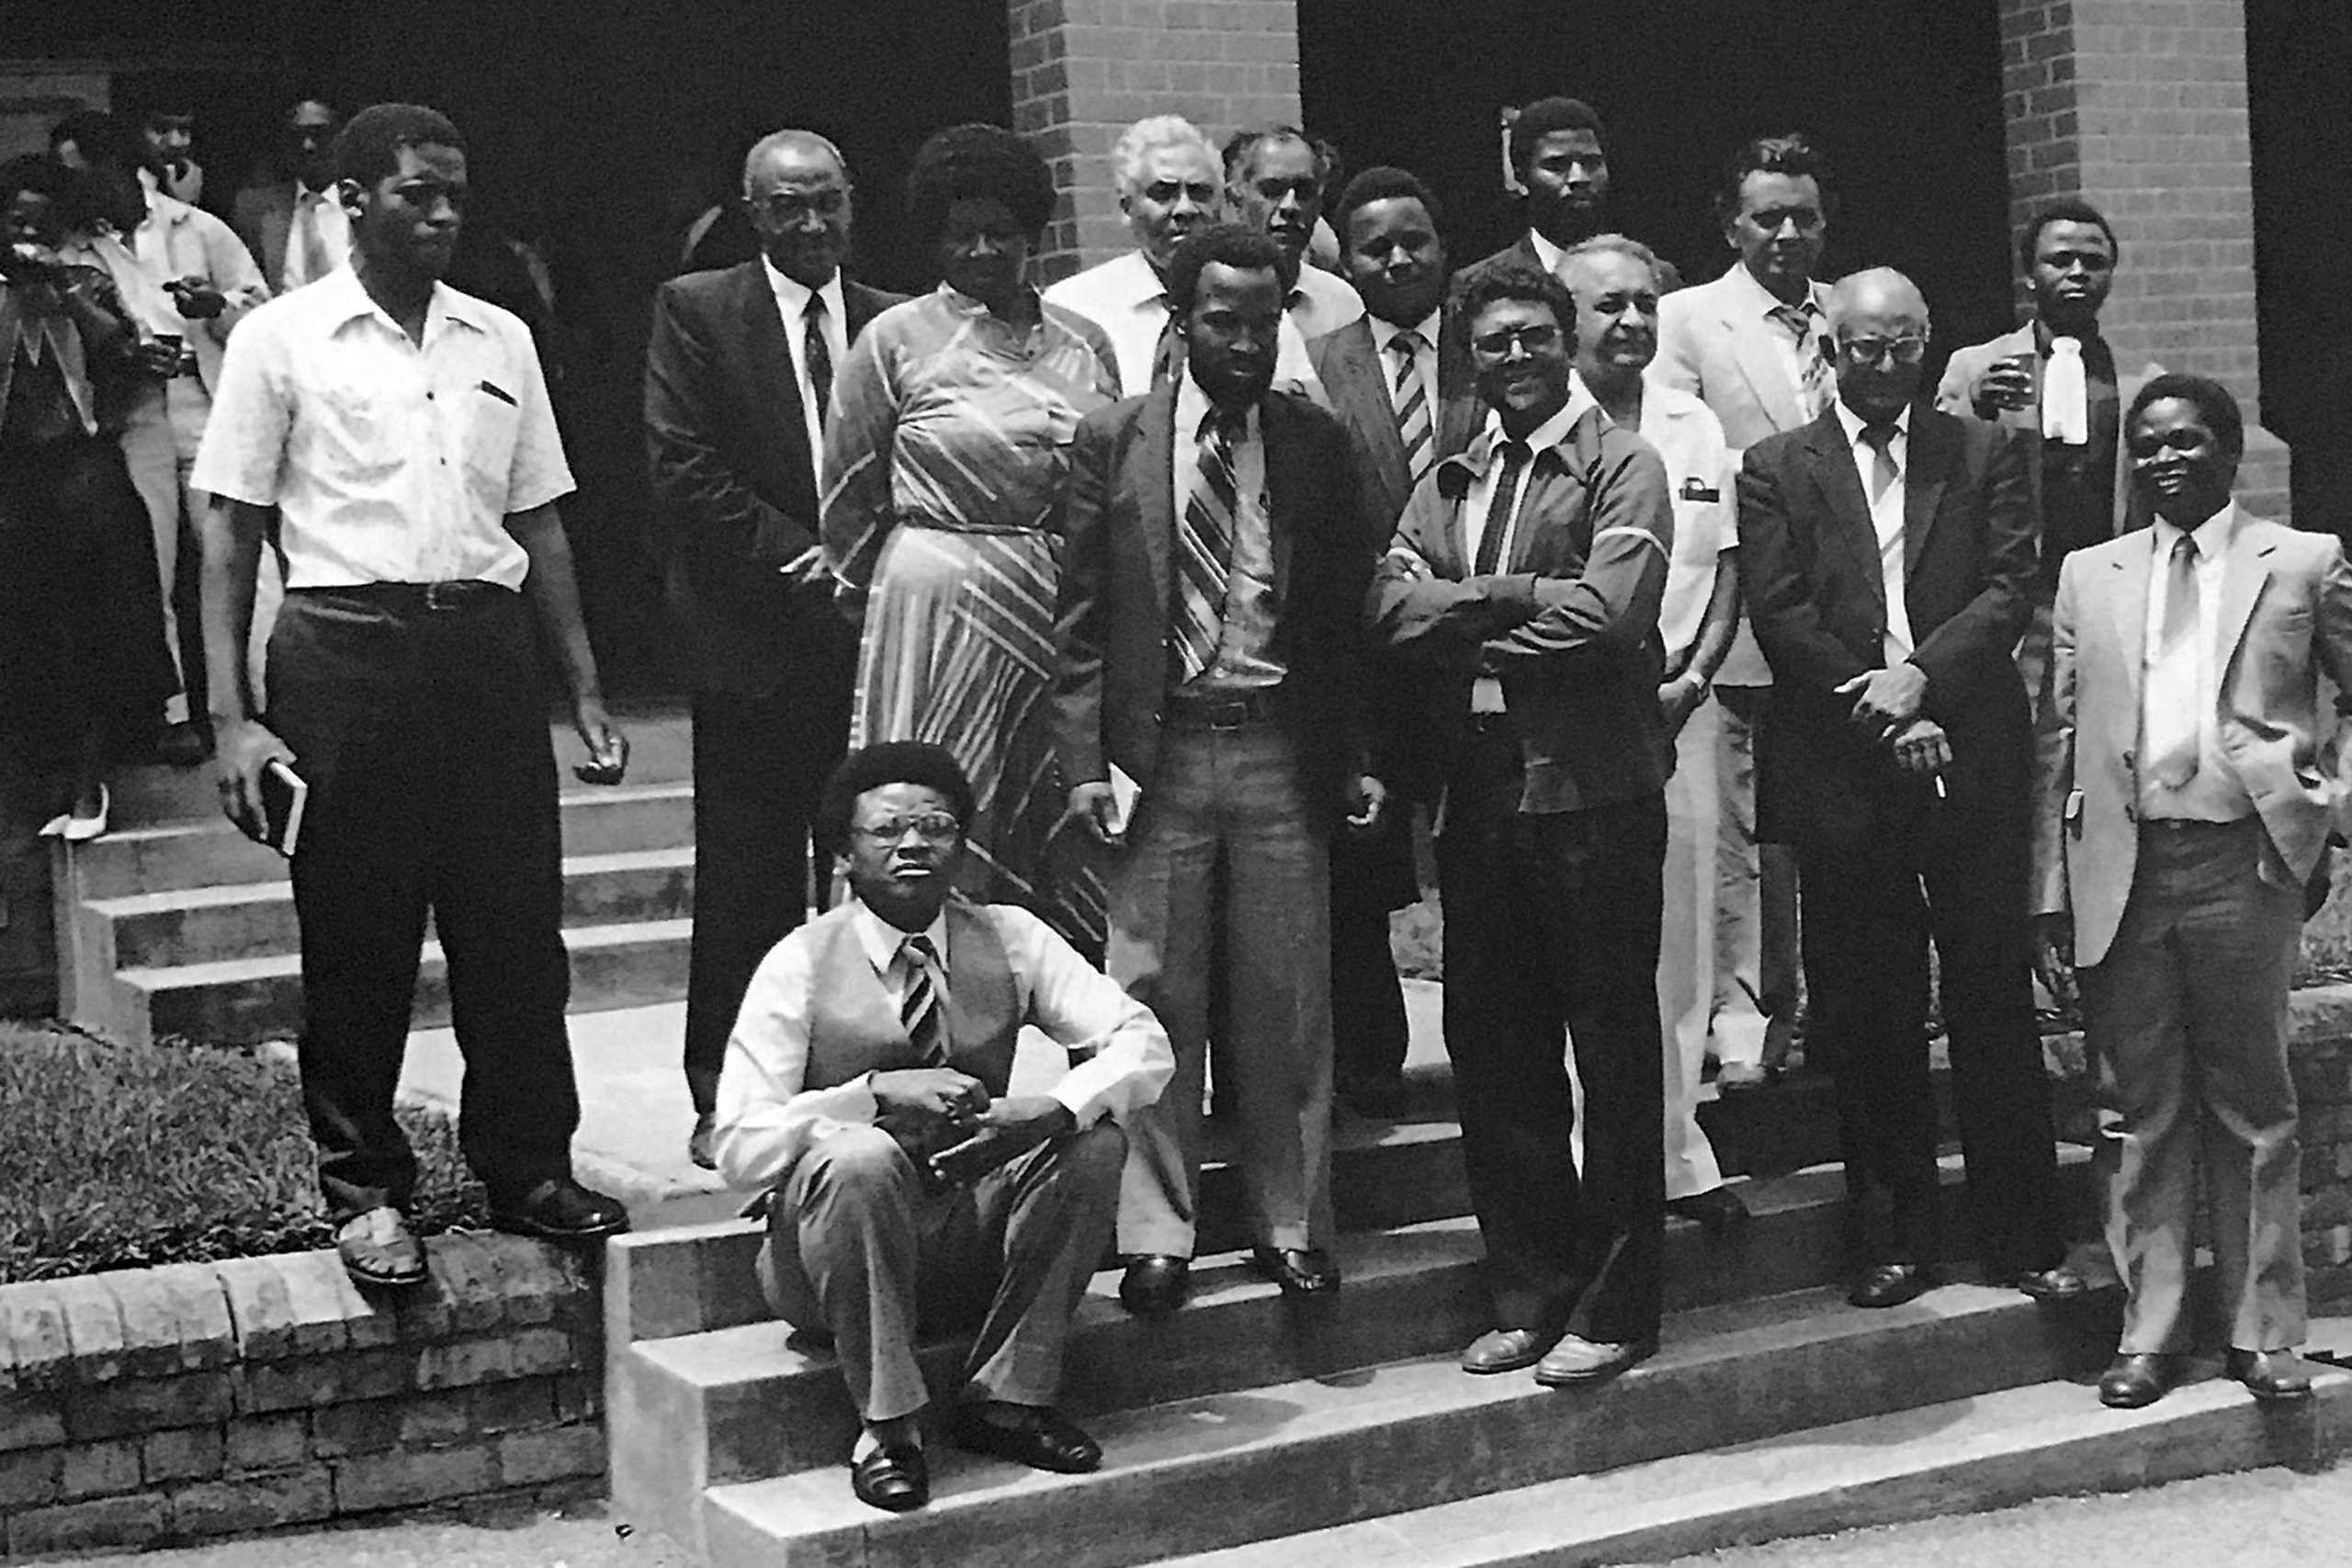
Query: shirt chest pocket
x=486 y=418
x=1697 y=531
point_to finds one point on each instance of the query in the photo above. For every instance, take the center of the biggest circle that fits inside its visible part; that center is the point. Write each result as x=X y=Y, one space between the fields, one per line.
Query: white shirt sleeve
x=766 y=1120
x=1120 y=1058
x=243 y=455
x=538 y=473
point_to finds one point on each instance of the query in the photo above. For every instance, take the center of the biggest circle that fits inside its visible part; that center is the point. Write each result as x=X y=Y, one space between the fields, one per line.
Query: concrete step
x=1199 y=1474
x=1992 y=1451
x=256 y=919
x=247 y=999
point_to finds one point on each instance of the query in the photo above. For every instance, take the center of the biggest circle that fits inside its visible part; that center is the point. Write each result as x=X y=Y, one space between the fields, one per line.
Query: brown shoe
x=1507 y=1350
x=1575 y=1361
x=376 y=1249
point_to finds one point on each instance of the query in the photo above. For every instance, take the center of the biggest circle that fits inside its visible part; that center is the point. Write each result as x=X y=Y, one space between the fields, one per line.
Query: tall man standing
x=1213 y=577
x=292 y=221
x=1526 y=575
x=1886 y=551
x=402 y=431
x=2183 y=839
x=737 y=376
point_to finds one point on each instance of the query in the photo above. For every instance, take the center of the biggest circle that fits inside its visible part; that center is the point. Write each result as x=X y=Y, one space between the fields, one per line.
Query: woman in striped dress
x=945 y=449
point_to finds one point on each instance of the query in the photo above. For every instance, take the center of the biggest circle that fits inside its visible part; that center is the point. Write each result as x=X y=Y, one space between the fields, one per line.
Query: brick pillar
x=1085 y=69
x=2139 y=107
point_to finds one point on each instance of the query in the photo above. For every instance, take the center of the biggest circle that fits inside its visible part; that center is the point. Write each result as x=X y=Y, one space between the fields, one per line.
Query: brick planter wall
x=200 y=1400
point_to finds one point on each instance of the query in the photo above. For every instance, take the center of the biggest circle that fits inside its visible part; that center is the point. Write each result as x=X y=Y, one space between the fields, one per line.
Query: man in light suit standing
x=292 y=222
x=2179 y=847
x=1752 y=346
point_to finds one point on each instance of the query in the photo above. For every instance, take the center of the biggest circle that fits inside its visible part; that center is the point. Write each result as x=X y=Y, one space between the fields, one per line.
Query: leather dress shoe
x=560 y=1209
x=1300 y=1271
x=1892 y=1284
x=699 y=1142
x=2059 y=1284
x=1155 y=1284
x=2271 y=1374
x=1507 y=1349
x=377 y=1249
x=893 y=1480
x=1576 y=1361
x=2137 y=1378
x=1719 y=1210
x=1037 y=1436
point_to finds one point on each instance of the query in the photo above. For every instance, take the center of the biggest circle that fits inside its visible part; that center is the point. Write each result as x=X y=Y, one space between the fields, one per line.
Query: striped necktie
x=1817 y=375
x=924 y=1010
x=1412 y=400
x=1205 y=549
x=1491 y=538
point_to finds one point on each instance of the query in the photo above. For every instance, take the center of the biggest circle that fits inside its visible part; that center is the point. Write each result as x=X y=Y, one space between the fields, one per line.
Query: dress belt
x=959 y=525
x=1222 y=710
x=460 y=594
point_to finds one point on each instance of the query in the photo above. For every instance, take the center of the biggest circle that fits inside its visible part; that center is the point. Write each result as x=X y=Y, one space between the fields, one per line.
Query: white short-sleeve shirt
x=389 y=462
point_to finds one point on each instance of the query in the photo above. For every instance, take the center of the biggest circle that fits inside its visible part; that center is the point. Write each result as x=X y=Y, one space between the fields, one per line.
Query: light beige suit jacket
x=2285 y=620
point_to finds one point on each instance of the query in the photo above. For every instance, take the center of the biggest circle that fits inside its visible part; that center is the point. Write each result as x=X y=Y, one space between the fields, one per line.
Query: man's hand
x=240 y=751
x=1923 y=749
x=1367 y=800
x=161 y=360
x=607 y=747
x=2053 y=958
x=940 y=1094
x=1678 y=700
x=196 y=298
x=1005 y=1131
x=1094 y=805
x=2004 y=384
x=1886 y=700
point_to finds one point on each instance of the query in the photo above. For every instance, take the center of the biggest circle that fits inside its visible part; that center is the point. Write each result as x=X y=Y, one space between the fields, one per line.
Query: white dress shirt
x=1123 y=296
x=1549 y=255
x=1886 y=521
x=2184 y=687
x=319 y=211
x=766 y=1120
x=1244 y=648
x=388 y=461
x=792 y=302
x=1322 y=303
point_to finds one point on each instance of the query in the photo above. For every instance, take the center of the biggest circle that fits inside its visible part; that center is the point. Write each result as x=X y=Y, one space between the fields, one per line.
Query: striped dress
x=946 y=448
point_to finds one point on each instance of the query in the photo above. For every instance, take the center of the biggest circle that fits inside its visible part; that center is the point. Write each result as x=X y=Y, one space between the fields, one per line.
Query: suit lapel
x=1848 y=510
x=2128 y=614
x=2245 y=569
x=1153 y=473
x=1923 y=487
x=1759 y=356
x=770 y=356
x=1364 y=394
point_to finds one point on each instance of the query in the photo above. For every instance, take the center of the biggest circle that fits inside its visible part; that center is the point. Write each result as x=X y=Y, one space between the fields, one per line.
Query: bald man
x=737 y=375
x=1886 y=552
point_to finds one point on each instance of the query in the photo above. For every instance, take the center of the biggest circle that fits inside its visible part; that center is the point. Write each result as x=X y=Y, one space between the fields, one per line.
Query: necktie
x=2175 y=760
x=1880 y=439
x=2065 y=394
x=1817 y=380
x=313 y=248
x=818 y=356
x=924 y=1013
x=1516 y=454
x=1205 y=549
x=1412 y=400
x=1167 y=356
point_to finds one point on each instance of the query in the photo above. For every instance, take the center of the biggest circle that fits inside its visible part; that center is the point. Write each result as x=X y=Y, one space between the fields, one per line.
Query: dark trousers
x=1956 y=873
x=1369 y=878
x=760 y=763
x=1552 y=925
x=423 y=734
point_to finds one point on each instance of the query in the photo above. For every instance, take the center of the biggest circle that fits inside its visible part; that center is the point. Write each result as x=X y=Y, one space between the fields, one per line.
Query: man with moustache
x=292 y=221
x=1525 y=579
x=1273 y=180
x=738 y=373
x=401 y=432
x=1614 y=283
x=1168 y=186
x=1887 y=552
x=1210 y=641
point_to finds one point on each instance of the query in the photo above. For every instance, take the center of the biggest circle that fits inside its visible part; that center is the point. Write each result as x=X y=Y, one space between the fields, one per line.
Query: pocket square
x=501 y=393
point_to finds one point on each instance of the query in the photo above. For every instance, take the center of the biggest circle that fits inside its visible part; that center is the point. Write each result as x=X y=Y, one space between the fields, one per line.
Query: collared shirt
x=1551 y=258
x=1784 y=346
x=323 y=211
x=1478 y=501
x=792 y=302
x=2188 y=680
x=1385 y=334
x=1688 y=439
x=766 y=1120
x=1245 y=645
x=176 y=240
x=1886 y=521
x=389 y=462
x=1322 y=303
x=1125 y=297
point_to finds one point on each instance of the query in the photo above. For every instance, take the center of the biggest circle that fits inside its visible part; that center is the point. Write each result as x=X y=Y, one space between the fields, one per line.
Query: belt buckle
x=443 y=595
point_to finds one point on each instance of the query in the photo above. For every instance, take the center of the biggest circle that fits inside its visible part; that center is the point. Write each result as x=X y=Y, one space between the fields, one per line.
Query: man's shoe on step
x=1155 y=1284
x=1577 y=1361
x=376 y=1249
x=1892 y=1284
x=2137 y=1378
x=560 y=1209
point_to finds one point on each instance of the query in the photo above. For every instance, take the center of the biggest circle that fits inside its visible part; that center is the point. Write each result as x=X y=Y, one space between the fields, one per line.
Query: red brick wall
x=1085 y=69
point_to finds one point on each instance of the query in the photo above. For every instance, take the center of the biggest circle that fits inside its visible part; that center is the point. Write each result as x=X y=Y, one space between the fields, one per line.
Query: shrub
x=115 y=1157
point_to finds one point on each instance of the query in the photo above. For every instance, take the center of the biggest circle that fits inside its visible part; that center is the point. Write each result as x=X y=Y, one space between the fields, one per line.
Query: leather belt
x=460 y=594
x=1222 y=710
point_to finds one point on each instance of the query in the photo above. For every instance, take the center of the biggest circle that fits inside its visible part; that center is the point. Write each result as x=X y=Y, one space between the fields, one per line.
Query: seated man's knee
x=856 y=1160
x=1097 y=1156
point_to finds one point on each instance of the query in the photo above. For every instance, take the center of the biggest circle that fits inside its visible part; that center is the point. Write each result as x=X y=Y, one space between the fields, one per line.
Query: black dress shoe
x=2059 y=1284
x=1719 y=1210
x=1300 y=1271
x=560 y=1209
x=2137 y=1378
x=1155 y=1284
x=893 y=1480
x=699 y=1142
x=2271 y=1374
x=1037 y=1436
x=1507 y=1349
x=1892 y=1284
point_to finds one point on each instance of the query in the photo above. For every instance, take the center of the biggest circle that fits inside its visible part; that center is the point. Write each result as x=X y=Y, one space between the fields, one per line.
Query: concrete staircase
x=176 y=924
x=1252 y=1429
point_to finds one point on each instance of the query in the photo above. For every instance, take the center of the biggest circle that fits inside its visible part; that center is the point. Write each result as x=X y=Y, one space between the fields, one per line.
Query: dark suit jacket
x=1522 y=250
x=1809 y=564
x=1357 y=376
x=734 y=484
x=1117 y=587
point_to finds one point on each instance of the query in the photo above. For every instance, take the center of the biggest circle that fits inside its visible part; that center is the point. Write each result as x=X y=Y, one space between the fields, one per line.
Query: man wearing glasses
x=869 y=1087
x=1886 y=550
x=737 y=376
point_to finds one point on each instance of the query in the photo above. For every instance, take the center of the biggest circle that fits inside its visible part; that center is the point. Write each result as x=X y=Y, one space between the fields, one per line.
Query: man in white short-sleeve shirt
x=401 y=430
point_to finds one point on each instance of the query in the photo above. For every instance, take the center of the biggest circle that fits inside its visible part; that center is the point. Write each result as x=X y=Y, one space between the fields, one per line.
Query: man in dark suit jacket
x=1400 y=385
x=1212 y=575
x=1526 y=575
x=1556 y=155
x=1887 y=554
x=734 y=400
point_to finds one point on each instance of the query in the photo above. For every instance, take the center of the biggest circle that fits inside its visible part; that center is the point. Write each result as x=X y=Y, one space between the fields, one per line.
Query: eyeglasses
x=1534 y=338
x=930 y=826
x=795 y=207
x=1870 y=349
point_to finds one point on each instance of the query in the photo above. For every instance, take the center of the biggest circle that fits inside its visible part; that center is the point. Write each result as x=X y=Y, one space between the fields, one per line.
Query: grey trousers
x=856 y=1249
x=2187 y=1022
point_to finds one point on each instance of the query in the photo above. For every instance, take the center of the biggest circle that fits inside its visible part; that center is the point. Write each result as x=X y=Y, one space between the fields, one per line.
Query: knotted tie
x=1412 y=400
x=924 y=1013
x=2065 y=394
x=313 y=249
x=1880 y=439
x=1167 y=356
x=1205 y=549
x=820 y=357
x=1814 y=371
x=2176 y=753
x=1516 y=454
